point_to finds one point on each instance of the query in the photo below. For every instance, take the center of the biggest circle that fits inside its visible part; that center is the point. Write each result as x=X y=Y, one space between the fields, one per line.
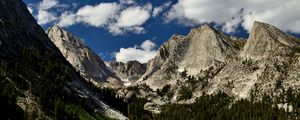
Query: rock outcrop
x=128 y=72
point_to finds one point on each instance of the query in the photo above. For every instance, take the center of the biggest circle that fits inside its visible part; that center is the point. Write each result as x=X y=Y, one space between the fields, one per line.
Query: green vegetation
x=44 y=75
x=185 y=93
x=110 y=97
x=8 y=96
x=164 y=91
x=136 y=110
x=221 y=106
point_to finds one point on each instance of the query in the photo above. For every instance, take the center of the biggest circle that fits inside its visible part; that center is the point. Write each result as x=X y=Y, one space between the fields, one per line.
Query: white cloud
x=148 y=45
x=45 y=17
x=98 y=15
x=133 y=16
x=143 y=53
x=131 y=19
x=118 y=18
x=67 y=19
x=232 y=24
x=47 y=4
x=127 y=2
x=159 y=9
x=281 y=13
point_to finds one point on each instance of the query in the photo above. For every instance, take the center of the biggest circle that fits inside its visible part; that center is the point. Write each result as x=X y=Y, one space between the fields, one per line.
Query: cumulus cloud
x=142 y=53
x=232 y=13
x=47 y=4
x=45 y=17
x=159 y=9
x=118 y=18
x=97 y=15
x=127 y=2
x=131 y=19
x=67 y=19
x=133 y=16
x=115 y=17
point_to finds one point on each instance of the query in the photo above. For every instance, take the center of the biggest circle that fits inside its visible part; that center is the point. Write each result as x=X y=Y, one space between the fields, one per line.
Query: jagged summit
x=206 y=46
x=212 y=62
x=265 y=39
x=55 y=27
x=201 y=49
x=90 y=65
x=65 y=36
x=203 y=28
x=206 y=26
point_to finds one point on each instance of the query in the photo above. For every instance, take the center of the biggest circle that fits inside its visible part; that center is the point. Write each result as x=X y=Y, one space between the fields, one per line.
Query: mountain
x=129 y=71
x=36 y=80
x=268 y=63
x=88 y=63
x=202 y=49
x=264 y=39
x=207 y=62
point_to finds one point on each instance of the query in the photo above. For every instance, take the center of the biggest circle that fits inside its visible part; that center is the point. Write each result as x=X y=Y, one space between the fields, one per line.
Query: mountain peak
x=265 y=39
x=88 y=63
x=56 y=27
x=206 y=26
x=258 y=23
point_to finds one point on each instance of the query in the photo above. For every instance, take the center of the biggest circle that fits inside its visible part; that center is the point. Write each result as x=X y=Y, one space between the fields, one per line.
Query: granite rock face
x=88 y=63
x=270 y=56
x=265 y=39
x=202 y=49
x=206 y=61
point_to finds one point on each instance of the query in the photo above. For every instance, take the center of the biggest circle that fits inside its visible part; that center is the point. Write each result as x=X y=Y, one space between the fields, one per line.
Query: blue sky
x=125 y=30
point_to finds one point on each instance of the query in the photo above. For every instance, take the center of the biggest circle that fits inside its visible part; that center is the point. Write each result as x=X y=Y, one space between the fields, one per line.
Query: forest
x=40 y=73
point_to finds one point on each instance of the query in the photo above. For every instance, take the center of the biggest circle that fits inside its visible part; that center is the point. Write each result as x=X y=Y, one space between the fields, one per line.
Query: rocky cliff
x=88 y=63
x=207 y=62
x=129 y=71
x=202 y=49
x=267 y=63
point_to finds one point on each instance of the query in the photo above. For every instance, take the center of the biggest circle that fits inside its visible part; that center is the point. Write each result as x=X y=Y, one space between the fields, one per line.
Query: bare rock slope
x=268 y=61
x=207 y=62
x=202 y=49
x=88 y=63
x=128 y=72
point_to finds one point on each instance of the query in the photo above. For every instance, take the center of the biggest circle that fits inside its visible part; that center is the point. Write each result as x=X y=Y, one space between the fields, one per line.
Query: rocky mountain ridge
x=88 y=63
x=202 y=49
x=208 y=62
